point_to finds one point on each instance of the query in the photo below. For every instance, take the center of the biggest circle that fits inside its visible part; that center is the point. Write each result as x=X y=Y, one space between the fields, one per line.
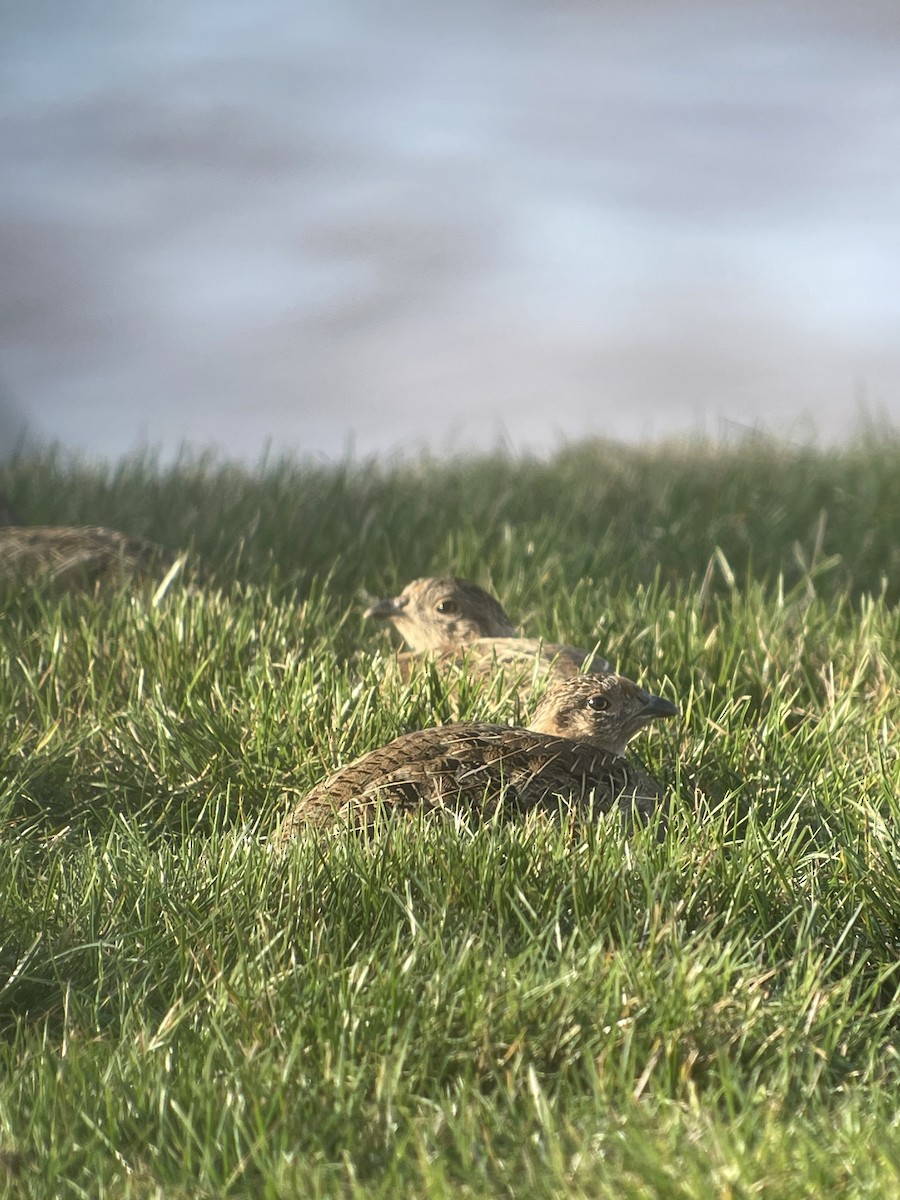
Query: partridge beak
x=656 y=706
x=383 y=610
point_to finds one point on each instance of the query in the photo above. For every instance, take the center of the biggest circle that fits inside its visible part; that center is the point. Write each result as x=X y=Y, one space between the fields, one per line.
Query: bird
x=571 y=751
x=80 y=556
x=453 y=621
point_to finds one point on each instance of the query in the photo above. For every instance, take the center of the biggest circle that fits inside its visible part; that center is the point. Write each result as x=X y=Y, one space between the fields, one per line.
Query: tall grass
x=185 y=1012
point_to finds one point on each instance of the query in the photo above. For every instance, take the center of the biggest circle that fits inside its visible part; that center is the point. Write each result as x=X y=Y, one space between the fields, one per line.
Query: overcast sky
x=403 y=223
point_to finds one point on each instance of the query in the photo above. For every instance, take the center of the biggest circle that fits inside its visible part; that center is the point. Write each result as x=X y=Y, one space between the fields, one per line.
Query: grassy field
x=184 y=1012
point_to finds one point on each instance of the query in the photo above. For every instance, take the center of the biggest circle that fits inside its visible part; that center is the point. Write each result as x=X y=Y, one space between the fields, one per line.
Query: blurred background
x=377 y=226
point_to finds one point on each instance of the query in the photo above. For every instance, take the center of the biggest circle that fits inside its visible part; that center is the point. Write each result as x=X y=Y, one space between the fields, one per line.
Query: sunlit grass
x=433 y=1012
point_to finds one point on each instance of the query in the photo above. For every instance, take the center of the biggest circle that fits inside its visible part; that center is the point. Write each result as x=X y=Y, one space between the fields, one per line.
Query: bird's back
x=77 y=555
x=517 y=653
x=474 y=770
x=518 y=661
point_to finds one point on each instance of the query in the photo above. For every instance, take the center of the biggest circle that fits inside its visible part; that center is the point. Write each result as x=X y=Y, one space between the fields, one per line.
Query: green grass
x=184 y=1012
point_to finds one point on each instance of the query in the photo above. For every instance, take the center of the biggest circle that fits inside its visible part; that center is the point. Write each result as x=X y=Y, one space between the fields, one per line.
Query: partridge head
x=443 y=613
x=603 y=710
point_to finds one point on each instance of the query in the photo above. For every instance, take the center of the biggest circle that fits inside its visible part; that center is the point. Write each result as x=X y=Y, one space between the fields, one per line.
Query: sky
x=378 y=226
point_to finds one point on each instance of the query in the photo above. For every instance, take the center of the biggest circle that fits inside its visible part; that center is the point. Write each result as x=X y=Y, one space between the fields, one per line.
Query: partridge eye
x=598 y=703
x=447 y=606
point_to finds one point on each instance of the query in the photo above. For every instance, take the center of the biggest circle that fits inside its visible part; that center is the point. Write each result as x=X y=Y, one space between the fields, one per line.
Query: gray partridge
x=453 y=621
x=570 y=752
x=78 y=556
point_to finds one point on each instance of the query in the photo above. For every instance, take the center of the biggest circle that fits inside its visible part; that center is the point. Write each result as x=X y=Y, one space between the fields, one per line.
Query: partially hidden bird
x=571 y=753
x=452 y=621
x=80 y=556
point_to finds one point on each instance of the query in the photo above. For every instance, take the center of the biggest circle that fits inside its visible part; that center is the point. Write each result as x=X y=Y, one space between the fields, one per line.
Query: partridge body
x=78 y=556
x=453 y=621
x=571 y=752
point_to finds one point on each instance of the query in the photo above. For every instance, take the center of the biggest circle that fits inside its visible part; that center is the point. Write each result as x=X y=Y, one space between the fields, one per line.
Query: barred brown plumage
x=571 y=753
x=78 y=556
